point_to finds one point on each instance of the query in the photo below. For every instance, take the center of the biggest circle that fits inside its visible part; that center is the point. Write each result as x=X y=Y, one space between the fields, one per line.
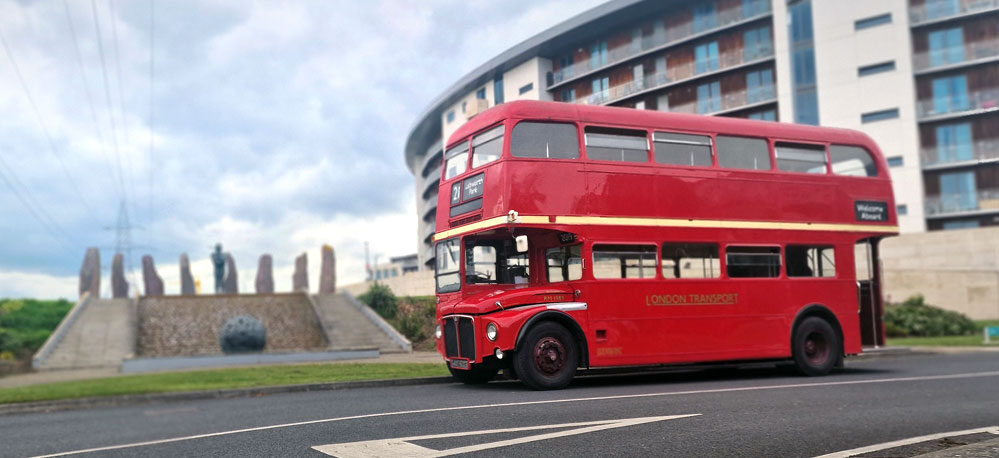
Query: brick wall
x=189 y=325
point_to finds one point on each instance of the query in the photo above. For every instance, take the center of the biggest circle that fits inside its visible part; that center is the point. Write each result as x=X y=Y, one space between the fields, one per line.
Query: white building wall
x=530 y=72
x=843 y=95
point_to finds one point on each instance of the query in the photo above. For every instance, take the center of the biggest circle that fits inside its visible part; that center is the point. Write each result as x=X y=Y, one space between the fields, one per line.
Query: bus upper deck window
x=607 y=144
x=852 y=160
x=742 y=153
x=682 y=149
x=799 y=157
x=546 y=140
x=487 y=146
x=456 y=160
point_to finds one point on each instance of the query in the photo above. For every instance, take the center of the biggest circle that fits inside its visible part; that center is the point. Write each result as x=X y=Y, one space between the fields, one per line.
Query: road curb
x=139 y=399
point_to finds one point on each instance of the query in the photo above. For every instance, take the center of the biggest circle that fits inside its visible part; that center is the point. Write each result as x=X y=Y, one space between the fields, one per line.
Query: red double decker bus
x=572 y=236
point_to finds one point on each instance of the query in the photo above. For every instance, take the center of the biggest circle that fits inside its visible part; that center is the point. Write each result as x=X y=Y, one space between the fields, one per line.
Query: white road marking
x=911 y=440
x=527 y=403
x=402 y=446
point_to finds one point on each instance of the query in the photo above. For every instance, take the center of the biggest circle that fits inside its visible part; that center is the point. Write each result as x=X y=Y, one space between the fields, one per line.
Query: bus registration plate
x=459 y=364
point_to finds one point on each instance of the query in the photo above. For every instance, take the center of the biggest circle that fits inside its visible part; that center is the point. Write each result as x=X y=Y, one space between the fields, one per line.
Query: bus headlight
x=437 y=331
x=491 y=331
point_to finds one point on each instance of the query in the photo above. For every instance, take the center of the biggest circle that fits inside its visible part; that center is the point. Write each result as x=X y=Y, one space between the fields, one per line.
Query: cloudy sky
x=275 y=127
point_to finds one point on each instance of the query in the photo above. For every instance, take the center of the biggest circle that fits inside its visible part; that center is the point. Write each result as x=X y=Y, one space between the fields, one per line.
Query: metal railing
x=983 y=199
x=727 y=101
x=978 y=100
x=980 y=150
x=659 y=38
x=970 y=51
x=935 y=10
x=674 y=74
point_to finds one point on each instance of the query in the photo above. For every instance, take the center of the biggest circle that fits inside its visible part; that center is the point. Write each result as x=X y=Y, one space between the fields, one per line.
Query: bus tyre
x=816 y=347
x=477 y=375
x=547 y=357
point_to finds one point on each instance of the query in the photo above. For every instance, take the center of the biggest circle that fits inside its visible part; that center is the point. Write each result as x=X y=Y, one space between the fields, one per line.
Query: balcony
x=939 y=108
x=982 y=201
x=978 y=152
x=729 y=102
x=955 y=56
x=661 y=39
x=679 y=74
x=942 y=10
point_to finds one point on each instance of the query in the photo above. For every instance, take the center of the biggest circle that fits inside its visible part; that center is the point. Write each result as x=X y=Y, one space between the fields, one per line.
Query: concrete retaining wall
x=420 y=283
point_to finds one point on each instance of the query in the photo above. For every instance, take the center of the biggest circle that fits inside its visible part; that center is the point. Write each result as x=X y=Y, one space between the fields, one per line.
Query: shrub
x=25 y=324
x=411 y=326
x=917 y=319
x=380 y=298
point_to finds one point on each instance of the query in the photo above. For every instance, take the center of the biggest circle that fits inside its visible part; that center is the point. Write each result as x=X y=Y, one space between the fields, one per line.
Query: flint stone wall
x=190 y=325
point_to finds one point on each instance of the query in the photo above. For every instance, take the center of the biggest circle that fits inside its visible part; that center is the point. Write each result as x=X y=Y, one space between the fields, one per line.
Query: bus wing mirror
x=521 y=243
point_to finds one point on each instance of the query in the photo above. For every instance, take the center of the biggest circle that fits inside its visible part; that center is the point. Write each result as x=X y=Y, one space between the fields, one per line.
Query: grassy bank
x=219 y=379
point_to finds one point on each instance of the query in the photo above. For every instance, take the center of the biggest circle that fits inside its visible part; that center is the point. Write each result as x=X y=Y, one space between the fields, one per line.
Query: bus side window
x=798 y=157
x=623 y=145
x=682 y=149
x=487 y=146
x=690 y=260
x=852 y=160
x=564 y=263
x=742 y=153
x=548 y=140
x=456 y=160
x=752 y=261
x=624 y=261
x=810 y=261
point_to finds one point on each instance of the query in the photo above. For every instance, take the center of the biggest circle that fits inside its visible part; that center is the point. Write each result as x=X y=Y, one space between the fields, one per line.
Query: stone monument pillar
x=152 y=280
x=327 y=273
x=265 y=275
x=119 y=286
x=90 y=273
x=186 y=279
x=300 y=280
x=230 y=284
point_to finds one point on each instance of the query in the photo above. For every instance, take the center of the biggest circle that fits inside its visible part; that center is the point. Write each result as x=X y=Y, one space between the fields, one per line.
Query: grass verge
x=219 y=379
x=976 y=340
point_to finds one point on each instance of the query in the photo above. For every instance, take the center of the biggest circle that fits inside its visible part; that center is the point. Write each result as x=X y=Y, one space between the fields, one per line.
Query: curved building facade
x=807 y=61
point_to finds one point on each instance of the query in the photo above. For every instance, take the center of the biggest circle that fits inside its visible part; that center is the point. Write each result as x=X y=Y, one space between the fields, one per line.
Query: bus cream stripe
x=669 y=222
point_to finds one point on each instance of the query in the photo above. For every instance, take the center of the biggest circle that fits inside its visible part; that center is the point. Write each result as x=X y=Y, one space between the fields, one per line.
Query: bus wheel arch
x=563 y=319
x=816 y=332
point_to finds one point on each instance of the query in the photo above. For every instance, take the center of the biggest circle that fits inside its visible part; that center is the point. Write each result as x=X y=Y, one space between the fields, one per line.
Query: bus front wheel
x=547 y=358
x=816 y=347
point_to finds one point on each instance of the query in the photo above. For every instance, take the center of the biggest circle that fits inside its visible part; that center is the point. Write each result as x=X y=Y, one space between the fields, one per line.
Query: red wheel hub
x=549 y=356
x=816 y=348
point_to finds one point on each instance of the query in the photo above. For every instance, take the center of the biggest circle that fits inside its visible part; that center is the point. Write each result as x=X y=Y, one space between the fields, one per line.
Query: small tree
x=380 y=298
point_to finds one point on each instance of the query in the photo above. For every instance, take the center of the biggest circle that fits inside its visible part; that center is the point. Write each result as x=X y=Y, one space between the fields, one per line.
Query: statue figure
x=218 y=260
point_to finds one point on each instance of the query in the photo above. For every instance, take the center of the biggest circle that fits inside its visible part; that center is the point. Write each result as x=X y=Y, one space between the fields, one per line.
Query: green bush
x=380 y=298
x=411 y=326
x=915 y=318
x=25 y=324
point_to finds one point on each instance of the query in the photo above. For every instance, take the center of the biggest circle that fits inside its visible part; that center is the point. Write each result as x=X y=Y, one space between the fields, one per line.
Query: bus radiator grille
x=450 y=337
x=466 y=338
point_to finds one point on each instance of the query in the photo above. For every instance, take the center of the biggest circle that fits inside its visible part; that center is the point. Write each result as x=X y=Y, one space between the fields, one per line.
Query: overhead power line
x=121 y=102
x=37 y=212
x=107 y=93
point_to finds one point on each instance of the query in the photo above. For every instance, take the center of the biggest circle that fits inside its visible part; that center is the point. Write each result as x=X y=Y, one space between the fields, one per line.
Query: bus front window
x=448 y=257
x=495 y=262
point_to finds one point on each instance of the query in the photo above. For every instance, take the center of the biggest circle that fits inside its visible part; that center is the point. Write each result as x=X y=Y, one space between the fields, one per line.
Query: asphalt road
x=745 y=412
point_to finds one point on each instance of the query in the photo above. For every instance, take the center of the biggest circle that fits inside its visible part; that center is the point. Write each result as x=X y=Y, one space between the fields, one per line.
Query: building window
x=757 y=43
x=481 y=93
x=742 y=153
x=876 y=68
x=752 y=261
x=568 y=95
x=941 y=8
x=810 y=261
x=526 y=88
x=464 y=105
x=766 y=115
x=902 y=209
x=958 y=192
x=950 y=94
x=879 y=115
x=450 y=116
x=895 y=161
x=598 y=55
x=946 y=47
x=624 y=261
x=498 y=90
x=600 y=90
x=872 y=21
x=565 y=66
x=954 y=143
x=704 y=17
x=709 y=98
x=706 y=57
x=752 y=8
x=760 y=86
x=803 y=84
x=690 y=260
x=961 y=224
x=636 y=40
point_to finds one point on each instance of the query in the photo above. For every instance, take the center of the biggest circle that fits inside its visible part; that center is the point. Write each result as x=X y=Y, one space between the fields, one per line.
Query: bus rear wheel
x=547 y=358
x=816 y=347
x=476 y=375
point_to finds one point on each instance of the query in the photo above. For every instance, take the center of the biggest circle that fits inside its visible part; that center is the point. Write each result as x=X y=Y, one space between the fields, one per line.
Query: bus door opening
x=872 y=333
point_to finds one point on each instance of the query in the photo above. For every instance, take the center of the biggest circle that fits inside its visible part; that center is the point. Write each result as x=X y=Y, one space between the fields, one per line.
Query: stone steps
x=102 y=336
x=347 y=327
